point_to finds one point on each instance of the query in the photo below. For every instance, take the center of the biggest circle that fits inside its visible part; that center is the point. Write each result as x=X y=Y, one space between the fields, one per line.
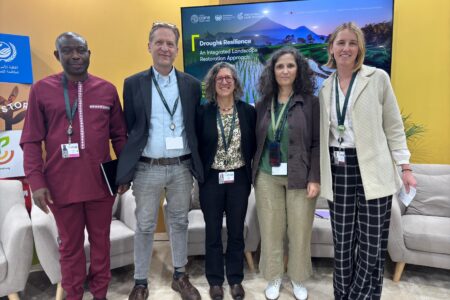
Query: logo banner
x=13 y=105
x=15 y=59
x=11 y=155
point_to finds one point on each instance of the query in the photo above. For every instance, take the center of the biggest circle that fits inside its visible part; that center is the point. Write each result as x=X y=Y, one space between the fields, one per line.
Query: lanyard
x=282 y=116
x=175 y=105
x=341 y=115
x=227 y=142
x=70 y=112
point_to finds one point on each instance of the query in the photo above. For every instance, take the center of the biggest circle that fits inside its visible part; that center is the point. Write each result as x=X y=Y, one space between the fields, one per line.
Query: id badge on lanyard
x=70 y=150
x=278 y=168
x=339 y=157
x=173 y=142
x=226 y=177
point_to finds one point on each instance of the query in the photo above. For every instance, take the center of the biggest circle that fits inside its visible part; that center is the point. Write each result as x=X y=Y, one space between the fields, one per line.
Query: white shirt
x=160 y=119
x=400 y=156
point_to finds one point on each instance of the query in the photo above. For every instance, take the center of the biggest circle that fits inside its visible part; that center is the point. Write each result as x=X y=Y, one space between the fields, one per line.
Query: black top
x=208 y=135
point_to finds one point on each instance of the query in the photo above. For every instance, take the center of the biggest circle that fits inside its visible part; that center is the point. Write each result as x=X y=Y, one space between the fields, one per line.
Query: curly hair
x=304 y=82
x=210 y=81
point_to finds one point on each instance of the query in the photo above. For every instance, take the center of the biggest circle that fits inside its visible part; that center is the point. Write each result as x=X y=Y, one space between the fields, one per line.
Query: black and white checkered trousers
x=360 y=233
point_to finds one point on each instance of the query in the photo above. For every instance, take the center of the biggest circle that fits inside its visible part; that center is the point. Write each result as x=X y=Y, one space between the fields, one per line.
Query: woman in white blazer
x=362 y=140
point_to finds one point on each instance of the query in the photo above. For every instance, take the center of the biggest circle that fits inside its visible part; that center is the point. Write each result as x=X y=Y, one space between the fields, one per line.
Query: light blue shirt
x=160 y=119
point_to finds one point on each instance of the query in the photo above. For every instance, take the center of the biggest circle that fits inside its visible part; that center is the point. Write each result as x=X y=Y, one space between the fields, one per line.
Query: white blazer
x=378 y=129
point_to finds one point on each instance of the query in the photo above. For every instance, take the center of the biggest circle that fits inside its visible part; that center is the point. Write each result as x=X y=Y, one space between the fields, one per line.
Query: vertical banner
x=13 y=105
x=16 y=75
x=11 y=156
x=15 y=59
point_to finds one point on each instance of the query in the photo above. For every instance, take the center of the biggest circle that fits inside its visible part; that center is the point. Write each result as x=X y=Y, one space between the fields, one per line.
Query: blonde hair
x=361 y=45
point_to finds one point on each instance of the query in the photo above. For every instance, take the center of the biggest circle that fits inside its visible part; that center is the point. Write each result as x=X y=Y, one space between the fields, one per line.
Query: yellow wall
x=117 y=33
x=421 y=73
x=116 y=30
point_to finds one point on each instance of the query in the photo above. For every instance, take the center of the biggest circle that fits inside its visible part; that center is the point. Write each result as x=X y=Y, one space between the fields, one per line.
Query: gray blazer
x=137 y=97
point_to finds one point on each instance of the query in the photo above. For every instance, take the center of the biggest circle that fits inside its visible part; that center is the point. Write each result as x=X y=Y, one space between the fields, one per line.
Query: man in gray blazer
x=161 y=155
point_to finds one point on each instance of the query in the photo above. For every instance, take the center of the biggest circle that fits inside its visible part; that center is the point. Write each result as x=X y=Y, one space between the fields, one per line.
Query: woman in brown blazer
x=286 y=168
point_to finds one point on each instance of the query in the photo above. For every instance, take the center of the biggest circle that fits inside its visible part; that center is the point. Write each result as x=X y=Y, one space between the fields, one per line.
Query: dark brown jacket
x=303 y=148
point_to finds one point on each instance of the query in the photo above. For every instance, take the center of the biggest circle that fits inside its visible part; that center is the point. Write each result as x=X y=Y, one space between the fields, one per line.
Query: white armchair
x=16 y=239
x=123 y=227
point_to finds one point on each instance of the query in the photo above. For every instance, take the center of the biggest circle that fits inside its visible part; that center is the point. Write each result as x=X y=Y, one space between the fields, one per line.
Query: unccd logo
x=7 y=51
x=5 y=156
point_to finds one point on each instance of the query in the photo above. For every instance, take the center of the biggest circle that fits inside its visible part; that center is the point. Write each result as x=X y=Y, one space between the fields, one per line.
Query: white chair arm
x=45 y=234
x=127 y=207
x=396 y=242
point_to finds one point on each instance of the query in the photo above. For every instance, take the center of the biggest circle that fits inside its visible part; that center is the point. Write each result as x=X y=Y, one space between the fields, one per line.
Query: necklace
x=225 y=109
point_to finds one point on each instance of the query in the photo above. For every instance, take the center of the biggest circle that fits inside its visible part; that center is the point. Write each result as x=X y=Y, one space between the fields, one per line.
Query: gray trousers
x=148 y=184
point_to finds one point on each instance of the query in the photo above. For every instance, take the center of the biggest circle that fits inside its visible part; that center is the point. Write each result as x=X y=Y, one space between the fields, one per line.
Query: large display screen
x=246 y=34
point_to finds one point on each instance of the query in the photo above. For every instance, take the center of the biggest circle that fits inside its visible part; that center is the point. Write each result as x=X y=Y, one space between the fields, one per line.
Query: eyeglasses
x=228 y=79
x=163 y=24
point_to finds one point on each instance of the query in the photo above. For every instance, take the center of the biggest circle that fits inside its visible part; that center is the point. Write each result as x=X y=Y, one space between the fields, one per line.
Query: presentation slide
x=246 y=35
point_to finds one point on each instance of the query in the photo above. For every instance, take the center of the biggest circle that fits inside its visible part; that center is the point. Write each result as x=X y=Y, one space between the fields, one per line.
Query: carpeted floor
x=417 y=282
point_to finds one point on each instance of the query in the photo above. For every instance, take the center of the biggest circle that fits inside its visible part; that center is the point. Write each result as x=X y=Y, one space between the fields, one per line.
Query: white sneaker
x=300 y=292
x=272 y=291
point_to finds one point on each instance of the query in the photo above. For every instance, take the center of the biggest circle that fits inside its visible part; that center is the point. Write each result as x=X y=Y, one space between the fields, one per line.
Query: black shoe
x=185 y=288
x=216 y=292
x=139 y=292
x=237 y=291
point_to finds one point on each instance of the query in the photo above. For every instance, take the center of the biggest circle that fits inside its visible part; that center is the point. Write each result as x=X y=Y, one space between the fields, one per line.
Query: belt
x=164 y=161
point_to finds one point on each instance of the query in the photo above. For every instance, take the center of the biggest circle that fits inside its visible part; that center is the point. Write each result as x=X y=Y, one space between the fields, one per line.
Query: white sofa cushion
x=196 y=232
x=321 y=231
x=427 y=233
x=322 y=203
x=433 y=196
x=3 y=264
x=121 y=238
x=115 y=205
x=195 y=197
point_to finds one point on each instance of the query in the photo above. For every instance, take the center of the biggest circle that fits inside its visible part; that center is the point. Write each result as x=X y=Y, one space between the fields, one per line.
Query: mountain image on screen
x=246 y=35
x=268 y=32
